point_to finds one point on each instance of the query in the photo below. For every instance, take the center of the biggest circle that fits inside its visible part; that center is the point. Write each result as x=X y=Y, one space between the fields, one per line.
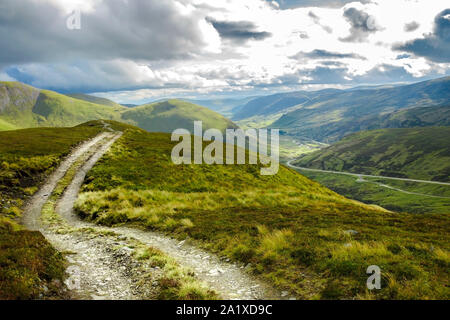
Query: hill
x=285 y=228
x=328 y=115
x=169 y=115
x=335 y=116
x=6 y=126
x=25 y=107
x=274 y=104
x=94 y=99
x=416 y=153
x=224 y=106
x=22 y=106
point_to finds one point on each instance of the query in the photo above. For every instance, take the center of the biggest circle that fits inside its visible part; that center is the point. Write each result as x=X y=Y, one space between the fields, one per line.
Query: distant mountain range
x=328 y=115
x=23 y=106
x=224 y=106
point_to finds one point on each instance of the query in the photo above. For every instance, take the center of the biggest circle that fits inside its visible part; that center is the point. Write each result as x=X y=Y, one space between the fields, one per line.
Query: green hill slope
x=435 y=116
x=6 y=126
x=22 y=106
x=337 y=115
x=94 y=99
x=169 y=115
x=417 y=153
x=25 y=106
x=285 y=228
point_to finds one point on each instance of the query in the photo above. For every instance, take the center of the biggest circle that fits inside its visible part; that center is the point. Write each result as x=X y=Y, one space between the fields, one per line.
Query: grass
x=173 y=114
x=4 y=126
x=328 y=115
x=176 y=282
x=370 y=192
x=28 y=263
x=286 y=228
x=29 y=107
x=416 y=153
x=96 y=100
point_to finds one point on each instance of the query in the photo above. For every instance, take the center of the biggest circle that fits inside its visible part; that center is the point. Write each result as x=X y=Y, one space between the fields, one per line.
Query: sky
x=136 y=51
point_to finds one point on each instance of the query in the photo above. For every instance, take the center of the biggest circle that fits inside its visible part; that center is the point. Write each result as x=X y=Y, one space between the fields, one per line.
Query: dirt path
x=101 y=261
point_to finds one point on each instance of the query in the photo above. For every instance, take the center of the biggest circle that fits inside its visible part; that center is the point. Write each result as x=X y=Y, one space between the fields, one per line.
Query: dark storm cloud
x=436 y=45
x=240 y=31
x=362 y=24
x=412 y=26
x=324 y=54
x=32 y=31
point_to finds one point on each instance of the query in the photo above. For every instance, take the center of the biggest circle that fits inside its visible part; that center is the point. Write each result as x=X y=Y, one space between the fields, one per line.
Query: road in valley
x=358 y=175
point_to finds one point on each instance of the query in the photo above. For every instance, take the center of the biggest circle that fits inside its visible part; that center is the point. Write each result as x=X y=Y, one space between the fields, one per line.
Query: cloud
x=240 y=31
x=172 y=47
x=289 y=4
x=32 y=31
x=324 y=54
x=316 y=20
x=436 y=45
x=411 y=26
x=362 y=25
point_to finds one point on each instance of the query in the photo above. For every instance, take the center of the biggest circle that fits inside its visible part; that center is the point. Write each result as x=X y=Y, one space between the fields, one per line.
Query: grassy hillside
x=274 y=104
x=223 y=106
x=6 y=126
x=328 y=115
x=418 y=153
x=397 y=196
x=173 y=114
x=285 y=228
x=337 y=115
x=27 y=261
x=22 y=106
x=437 y=116
x=94 y=99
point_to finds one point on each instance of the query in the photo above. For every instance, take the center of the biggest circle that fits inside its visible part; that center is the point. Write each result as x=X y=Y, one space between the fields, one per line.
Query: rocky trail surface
x=102 y=263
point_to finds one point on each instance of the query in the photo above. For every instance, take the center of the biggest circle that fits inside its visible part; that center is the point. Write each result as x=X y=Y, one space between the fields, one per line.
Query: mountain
x=224 y=106
x=328 y=115
x=273 y=104
x=6 y=126
x=94 y=99
x=339 y=114
x=169 y=115
x=417 y=153
x=22 y=106
x=409 y=118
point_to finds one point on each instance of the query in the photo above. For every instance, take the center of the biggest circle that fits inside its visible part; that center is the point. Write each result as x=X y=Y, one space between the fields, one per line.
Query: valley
x=223 y=158
x=216 y=231
x=399 y=169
